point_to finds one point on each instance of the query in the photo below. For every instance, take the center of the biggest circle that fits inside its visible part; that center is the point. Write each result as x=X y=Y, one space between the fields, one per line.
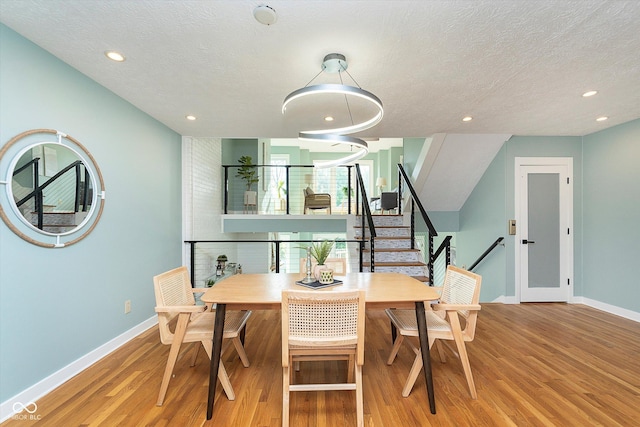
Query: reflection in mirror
x=52 y=188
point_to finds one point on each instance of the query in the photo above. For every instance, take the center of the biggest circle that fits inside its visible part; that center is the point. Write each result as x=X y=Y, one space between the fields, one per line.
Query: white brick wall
x=202 y=204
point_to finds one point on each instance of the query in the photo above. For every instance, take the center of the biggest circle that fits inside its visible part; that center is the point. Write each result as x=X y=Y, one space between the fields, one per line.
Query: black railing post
x=226 y=189
x=399 y=193
x=277 y=243
x=193 y=264
x=76 y=203
x=85 y=195
x=349 y=190
x=286 y=180
x=373 y=263
x=361 y=255
x=431 y=260
x=413 y=226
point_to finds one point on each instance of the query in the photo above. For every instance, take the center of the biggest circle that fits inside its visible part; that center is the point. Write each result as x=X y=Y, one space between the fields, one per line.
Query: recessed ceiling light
x=114 y=56
x=589 y=93
x=190 y=117
x=601 y=118
x=467 y=118
x=328 y=119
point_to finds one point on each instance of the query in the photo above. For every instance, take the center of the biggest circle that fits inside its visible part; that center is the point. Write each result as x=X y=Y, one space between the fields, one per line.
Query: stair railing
x=487 y=252
x=366 y=214
x=416 y=204
x=38 y=189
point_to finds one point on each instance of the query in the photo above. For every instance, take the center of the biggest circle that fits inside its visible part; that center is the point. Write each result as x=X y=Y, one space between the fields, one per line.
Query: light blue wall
x=606 y=205
x=611 y=224
x=57 y=305
x=482 y=221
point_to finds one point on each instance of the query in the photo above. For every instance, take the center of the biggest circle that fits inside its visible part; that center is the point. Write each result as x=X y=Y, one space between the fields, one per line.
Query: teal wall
x=606 y=206
x=57 y=305
x=612 y=216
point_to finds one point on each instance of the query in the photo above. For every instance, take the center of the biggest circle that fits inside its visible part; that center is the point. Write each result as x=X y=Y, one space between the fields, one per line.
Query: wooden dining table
x=264 y=291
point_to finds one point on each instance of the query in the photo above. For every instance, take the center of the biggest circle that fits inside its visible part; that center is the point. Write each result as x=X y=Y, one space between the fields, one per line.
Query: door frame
x=566 y=208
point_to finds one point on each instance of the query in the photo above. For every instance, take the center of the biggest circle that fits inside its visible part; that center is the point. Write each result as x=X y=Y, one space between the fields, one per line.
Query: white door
x=544 y=224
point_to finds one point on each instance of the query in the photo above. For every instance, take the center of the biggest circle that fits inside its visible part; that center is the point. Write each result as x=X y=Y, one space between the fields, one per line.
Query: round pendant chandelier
x=337 y=63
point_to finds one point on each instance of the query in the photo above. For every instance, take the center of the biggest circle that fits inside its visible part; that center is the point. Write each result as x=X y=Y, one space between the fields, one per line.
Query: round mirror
x=54 y=189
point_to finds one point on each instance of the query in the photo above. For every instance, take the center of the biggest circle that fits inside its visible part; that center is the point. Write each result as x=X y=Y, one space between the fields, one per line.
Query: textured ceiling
x=517 y=67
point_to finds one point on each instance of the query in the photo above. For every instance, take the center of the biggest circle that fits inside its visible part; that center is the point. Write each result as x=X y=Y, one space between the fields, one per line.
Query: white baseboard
x=27 y=398
x=612 y=309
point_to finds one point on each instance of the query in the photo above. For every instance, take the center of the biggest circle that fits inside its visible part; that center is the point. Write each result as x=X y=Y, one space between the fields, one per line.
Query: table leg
x=426 y=357
x=218 y=330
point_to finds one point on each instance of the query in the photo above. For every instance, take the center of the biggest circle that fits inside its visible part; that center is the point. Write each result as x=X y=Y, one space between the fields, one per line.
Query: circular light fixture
x=190 y=117
x=467 y=118
x=328 y=119
x=337 y=63
x=115 y=56
x=265 y=15
x=602 y=118
x=589 y=93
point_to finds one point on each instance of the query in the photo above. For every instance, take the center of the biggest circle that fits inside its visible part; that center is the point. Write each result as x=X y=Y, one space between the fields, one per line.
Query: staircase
x=392 y=248
x=57 y=222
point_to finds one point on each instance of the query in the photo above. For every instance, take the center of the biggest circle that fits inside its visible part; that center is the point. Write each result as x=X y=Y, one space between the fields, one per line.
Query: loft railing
x=416 y=205
x=487 y=252
x=209 y=249
x=81 y=192
x=279 y=189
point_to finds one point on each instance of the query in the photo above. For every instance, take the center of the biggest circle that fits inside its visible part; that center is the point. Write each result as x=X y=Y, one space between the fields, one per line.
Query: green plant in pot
x=249 y=173
x=320 y=252
x=282 y=195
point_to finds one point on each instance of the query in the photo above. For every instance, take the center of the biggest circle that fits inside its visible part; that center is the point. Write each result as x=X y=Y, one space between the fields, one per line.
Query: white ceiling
x=517 y=67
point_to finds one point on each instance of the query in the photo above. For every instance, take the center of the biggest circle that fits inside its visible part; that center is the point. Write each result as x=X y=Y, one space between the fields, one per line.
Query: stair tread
x=393 y=250
x=401 y=227
x=396 y=264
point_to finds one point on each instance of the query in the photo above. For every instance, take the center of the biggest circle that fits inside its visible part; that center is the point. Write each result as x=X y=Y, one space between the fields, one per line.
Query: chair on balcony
x=180 y=320
x=459 y=298
x=320 y=326
x=388 y=201
x=316 y=201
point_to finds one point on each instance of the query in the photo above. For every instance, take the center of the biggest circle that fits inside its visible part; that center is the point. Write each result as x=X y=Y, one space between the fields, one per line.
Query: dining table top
x=265 y=290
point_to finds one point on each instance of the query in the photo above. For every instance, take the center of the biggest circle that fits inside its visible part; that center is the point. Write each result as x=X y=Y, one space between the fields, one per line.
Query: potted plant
x=282 y=195
x=320 y=252
x=249 y=173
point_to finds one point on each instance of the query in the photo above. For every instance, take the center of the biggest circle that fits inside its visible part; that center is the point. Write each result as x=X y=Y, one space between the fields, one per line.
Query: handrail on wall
x=485 y=253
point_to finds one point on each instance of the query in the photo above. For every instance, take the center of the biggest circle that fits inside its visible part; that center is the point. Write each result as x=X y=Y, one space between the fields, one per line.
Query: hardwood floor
x=533 y=364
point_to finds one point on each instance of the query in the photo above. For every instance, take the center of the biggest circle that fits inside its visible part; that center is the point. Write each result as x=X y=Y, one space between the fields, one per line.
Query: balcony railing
x=280 y=189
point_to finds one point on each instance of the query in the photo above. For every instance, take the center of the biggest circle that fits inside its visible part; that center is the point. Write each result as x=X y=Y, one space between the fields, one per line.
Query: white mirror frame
x=11 y=215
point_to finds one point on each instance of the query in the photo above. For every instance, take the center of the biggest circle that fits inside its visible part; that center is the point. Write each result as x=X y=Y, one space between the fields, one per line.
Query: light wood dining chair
x=460 y=296
x=318 y=326
x=180 y=320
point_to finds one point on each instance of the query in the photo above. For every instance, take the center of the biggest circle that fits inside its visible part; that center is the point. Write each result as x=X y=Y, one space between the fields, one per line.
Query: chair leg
x=351 y=363
x=359 y=397
x=413 y=375
x=285 y=396
x=462 y=352
x=395 y=349
x=196 y=350
x=241 y=352
x=443 y=356
x=222 y=372
x=181 y=327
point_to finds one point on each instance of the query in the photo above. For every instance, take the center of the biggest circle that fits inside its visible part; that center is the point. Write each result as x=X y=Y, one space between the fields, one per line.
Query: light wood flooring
x=533 y=364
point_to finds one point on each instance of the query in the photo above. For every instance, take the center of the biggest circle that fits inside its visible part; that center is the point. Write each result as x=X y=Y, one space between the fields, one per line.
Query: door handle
x=526 y=242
